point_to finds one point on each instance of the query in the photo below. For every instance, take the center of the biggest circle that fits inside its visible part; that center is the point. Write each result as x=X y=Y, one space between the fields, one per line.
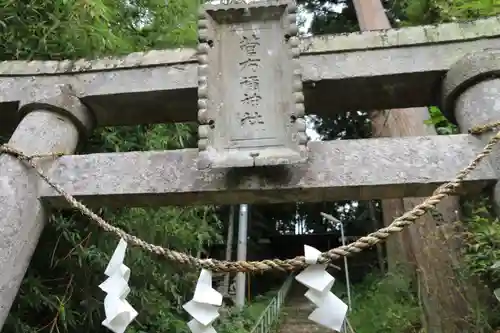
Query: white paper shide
x=204 y=307
x=119 y=313
x=331 y=310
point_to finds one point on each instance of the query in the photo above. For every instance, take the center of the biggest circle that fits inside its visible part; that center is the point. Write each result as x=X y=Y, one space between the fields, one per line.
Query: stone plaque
x=250 y=100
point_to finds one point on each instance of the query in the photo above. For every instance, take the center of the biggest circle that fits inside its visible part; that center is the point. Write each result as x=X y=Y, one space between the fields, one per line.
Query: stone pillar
x=471 y=97
x=52 y=125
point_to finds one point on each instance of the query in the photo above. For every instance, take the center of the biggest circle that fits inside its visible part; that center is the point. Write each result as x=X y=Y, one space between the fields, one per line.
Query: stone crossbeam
x=338 y=170
x=396 y=68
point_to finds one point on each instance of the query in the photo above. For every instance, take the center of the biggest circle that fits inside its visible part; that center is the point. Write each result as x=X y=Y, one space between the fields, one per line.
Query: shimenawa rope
x=296 y=263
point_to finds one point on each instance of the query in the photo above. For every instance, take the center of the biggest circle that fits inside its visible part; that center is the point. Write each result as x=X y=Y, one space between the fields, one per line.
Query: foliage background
x=59 y=292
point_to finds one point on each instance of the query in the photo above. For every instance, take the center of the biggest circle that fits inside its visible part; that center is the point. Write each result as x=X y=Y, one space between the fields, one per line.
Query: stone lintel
x=347 y=169
x=395 y=68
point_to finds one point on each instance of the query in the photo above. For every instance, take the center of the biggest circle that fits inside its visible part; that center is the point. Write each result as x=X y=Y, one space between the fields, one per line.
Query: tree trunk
x=445 y=309
x=398 y=250
x=375 y=226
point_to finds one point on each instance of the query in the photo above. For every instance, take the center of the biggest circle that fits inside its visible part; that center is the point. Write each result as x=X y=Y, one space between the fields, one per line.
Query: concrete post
x=52 y=125
x=471 y=97
x=242 y=254
x=229 y=246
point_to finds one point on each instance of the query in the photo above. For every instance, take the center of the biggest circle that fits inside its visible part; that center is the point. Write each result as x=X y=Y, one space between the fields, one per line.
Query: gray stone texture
x=471 y=97
x=337 y=170
x=250 y=96
x=22 y=215
x=396 y=68
x=473 y=68
x=66 y=103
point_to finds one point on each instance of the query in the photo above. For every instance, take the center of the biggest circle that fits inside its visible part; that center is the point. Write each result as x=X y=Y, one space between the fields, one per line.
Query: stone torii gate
x=54 y=105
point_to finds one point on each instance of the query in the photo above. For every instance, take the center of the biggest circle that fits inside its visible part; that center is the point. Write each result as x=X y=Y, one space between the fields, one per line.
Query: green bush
x=383 y=304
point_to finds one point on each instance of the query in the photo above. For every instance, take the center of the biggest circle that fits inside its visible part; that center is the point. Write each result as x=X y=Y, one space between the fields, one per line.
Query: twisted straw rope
x=293 y=264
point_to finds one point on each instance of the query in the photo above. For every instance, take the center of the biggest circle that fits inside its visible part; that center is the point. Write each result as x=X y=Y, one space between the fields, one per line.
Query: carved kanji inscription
x=249 y=86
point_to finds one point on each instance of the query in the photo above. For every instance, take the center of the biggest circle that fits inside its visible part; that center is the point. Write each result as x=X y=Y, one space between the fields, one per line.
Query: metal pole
x=342 y=236
x=229 y=246
x=242 y=254
x=346 y=268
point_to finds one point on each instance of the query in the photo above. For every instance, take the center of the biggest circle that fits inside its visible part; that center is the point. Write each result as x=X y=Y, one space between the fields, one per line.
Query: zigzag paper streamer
x=204 y=307
x=119 y=313
x=331 y=311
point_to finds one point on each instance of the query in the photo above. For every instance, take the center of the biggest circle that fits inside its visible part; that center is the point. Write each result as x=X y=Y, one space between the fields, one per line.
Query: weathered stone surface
x=351 y=169
x=22 y=215
x=250 y=100
x=396 y=68
x=62 y=100
x=473 y=68
x=471 y=94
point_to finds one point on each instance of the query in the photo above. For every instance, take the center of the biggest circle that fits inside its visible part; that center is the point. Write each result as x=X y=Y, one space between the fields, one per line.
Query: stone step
x=305 y=328
x=295 y=319
x=296 y=316
x=296 y=311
